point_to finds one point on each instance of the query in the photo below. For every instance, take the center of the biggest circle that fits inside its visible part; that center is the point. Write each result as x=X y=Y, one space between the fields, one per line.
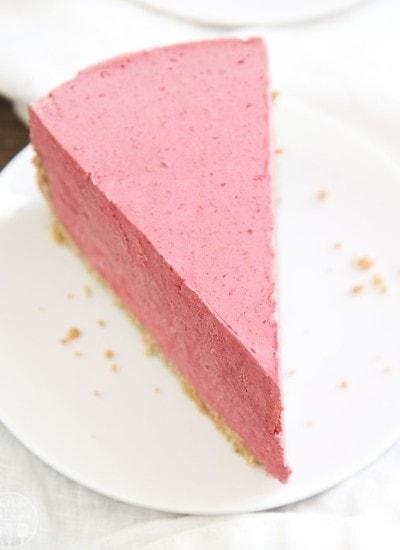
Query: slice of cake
x=157 y=166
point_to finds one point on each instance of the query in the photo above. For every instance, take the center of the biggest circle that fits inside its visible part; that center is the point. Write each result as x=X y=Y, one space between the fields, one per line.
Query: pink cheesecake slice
x=157 y=166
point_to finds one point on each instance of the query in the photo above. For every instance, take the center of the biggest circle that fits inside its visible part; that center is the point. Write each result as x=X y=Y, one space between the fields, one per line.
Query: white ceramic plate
x=140 y=439
x=236 y=13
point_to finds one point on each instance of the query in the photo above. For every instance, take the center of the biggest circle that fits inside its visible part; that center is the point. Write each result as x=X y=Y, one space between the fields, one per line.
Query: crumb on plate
x=72 y=334
x=88 y=291
x=378 y=281
x=364 y=262
x=275 y=94
x=356 y=289
x=322 y=195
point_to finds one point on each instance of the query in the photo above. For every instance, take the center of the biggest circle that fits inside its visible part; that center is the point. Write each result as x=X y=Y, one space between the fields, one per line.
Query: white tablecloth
x=346 y=65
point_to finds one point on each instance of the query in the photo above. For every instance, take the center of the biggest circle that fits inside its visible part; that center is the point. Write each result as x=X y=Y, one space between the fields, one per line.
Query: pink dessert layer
x=158 y=166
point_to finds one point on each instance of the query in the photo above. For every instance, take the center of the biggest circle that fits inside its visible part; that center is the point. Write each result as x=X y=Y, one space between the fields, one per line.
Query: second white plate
x=237 y=13
x=133 y=434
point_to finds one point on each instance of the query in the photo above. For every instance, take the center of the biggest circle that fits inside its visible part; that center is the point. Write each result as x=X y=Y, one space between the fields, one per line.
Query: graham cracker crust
x=61 y=236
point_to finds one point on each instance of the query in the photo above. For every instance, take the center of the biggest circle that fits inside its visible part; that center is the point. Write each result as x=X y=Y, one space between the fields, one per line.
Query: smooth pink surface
x=158 y=165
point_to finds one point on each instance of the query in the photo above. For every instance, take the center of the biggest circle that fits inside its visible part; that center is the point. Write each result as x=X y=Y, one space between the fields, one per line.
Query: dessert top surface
x=179 y=139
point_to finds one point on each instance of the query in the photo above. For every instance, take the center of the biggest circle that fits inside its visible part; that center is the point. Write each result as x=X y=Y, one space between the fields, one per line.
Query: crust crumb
x=337 y=246
x=279 y=151
x=378 y=281
x=115 y=369
x=364 y=262
x=88 y=291
x=275 y=94
x=291 y=372
x=387 y=370
x=322 y=195
x=58 y=235
x=101 y=323
x=151 y=347
x=343 y=385
x=70 y=295
x=157 y=389
x=357 y=289
x=78 y=354
x=72 y=334
x=96 y=393
x=108 y=354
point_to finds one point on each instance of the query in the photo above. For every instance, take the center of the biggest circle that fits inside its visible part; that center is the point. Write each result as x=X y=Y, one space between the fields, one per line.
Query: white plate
x=142 y=440
x=236 y=13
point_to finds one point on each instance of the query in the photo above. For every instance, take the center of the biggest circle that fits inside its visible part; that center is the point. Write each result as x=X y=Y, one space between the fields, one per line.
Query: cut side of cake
x=158 y=168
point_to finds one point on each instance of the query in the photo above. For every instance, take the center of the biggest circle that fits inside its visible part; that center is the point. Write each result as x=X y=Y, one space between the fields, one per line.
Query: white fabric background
x=346 y=65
